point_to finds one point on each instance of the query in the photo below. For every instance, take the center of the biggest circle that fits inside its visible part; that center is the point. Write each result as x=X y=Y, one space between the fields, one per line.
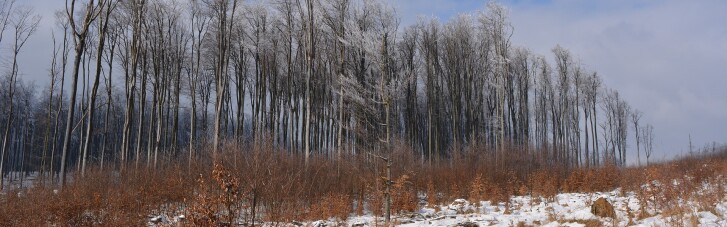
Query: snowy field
x=566 y=209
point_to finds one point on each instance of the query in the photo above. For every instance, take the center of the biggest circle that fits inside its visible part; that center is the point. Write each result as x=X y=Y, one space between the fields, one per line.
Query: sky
x=667 y=58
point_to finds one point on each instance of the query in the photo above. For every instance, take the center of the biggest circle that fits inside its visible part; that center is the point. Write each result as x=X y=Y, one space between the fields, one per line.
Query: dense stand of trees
x=155 y=80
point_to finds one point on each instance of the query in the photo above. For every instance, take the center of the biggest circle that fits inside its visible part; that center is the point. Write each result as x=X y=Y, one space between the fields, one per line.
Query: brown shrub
x=332 y=205
x=512 y=184
x=100 y=198
x=602 y=208
x=478 y=189
x=203 y=211
x=576 y=181
x=586 y=223
x=360 y=201
x=403 y=195
x=543 y=184
x=432 y=200
x=454 y=192
x=275 y=185
x=606 y=178
x=376 y=200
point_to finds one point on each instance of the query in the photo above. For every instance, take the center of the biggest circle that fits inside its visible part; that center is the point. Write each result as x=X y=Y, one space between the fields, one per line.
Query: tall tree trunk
x=142 y=105
x=80 y=43
x=310 y=54
x=94 y=91
x=138 y=9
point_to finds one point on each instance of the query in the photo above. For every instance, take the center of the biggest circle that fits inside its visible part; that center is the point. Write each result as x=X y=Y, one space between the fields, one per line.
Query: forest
x=324 y=91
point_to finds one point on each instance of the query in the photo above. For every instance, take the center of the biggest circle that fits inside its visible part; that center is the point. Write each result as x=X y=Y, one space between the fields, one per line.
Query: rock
x=319 y=224
x=158 y=219
x=603 y=208
x=405 y=221
x=467 y=224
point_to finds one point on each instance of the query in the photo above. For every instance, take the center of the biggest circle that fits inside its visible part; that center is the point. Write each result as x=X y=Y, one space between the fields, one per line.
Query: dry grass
x=102 y=198
x=261 y=183
x=674 y=189
x=586 y=223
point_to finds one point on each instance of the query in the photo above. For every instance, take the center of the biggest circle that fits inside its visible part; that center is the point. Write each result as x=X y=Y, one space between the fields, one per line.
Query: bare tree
x=65 y=49
x=6 y=11
x=80 y=33
x=109 y=57
x=316 y=77
x=133 y=53
x=310 y=70
x=105 y=9
x=336 y=18
x=617 y=116
x=594 y=85
x=561 y=103
x=647 y=137
x=589 y=96
x=53 y=73
x=501 y=30
x=223 y=13
x=385 y=85
x=635 y=118
x=24 y=23
x=199 y=26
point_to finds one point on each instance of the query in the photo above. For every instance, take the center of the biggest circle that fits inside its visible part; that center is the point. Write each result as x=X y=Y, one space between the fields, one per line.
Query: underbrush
x=253 y=184
x=101 y=198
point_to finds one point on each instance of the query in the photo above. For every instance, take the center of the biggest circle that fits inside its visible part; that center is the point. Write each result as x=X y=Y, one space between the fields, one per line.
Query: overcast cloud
x=667 y=58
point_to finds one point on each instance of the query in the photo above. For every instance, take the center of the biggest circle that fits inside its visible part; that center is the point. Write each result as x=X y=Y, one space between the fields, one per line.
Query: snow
x=722 y=209
x=565 y=209
x=708 y=219
x=20 y=180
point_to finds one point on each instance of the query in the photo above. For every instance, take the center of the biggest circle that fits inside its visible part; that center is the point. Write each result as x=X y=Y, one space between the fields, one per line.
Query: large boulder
x=603 y=208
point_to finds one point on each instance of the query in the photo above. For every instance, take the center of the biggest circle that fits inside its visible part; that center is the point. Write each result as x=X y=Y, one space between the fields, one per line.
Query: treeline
x=135 y=83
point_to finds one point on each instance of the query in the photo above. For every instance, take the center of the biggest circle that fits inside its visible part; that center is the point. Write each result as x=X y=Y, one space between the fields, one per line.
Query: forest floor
x=567 y=209
x=702 y=208
x=271 y=188
x=673 y=201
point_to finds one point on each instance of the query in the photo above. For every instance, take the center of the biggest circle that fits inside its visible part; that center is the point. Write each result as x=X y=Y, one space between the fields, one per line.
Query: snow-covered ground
x=567 y=209
x=705 y=205
x=20 y=180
